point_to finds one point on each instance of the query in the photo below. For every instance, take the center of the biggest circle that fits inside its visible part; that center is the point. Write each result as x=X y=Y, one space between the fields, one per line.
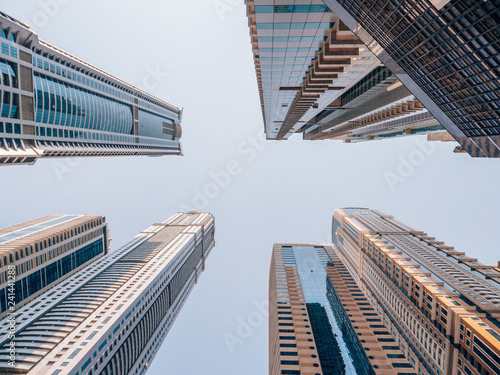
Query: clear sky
x=267 y=192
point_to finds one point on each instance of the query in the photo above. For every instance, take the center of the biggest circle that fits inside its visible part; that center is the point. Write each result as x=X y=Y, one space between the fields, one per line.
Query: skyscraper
x=441 y=307
x=385 y=299
x=37 y=255
x=316 y=77
x=320 y=322
x=111 y=317
x=446 y=53
x=56 y=105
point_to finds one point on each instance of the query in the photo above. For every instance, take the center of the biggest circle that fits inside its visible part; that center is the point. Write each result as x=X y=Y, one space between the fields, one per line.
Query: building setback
x=112 y=316
x=55 y=105
x=446 y=52
x=316 y=77
x=441 y=307
x=42 y=253
x=320 y=322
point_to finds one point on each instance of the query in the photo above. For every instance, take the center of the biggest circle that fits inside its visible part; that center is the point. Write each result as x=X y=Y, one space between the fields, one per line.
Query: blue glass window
x=32 y=283
x=60 y=103
x=153 y=125
x=87 y=362
x=5 y=48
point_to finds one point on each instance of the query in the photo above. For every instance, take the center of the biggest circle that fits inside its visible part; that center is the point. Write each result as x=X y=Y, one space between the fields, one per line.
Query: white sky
x=279 y=192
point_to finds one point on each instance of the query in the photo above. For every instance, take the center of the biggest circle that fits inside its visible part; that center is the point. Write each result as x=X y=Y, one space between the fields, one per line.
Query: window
x=395 y=356
x=493 y=333
x=290 y=363
x=73 y=355
x=401 y=365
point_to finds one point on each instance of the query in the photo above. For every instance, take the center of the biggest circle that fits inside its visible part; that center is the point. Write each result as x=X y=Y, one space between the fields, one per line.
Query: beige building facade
x=441 y=306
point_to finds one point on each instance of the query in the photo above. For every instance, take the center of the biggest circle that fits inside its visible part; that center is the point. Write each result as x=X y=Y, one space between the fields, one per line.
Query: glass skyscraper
x=320 y=322
x=446 y=52
x=37 y=255
x=358 y=70
x=111 y=317
x=56 y=105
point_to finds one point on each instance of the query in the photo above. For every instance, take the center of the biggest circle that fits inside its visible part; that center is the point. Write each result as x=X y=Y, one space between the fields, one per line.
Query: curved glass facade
x=9 y=101
x=60 y=103
x=9 y=76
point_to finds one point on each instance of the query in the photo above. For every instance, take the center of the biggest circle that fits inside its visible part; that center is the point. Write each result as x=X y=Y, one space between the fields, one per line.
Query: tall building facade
x=316 y=77
x=37 y=255
x=446 y=53
x=440 y=307
x=56 y=105
x=112 y=316
x=321 y=322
